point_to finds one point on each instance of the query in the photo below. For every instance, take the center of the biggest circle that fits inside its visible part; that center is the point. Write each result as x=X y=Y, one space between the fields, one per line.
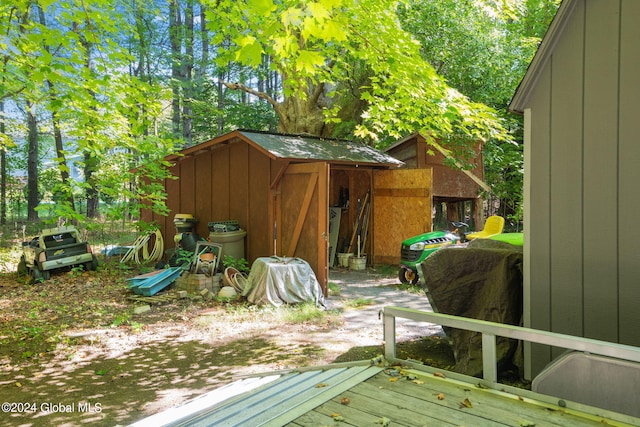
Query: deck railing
x=490 y=330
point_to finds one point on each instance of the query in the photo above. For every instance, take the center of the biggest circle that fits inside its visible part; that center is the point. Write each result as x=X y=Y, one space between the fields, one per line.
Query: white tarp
x=277 y=280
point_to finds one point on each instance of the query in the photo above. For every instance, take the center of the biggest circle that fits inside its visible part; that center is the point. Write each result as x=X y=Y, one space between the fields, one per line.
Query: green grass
x=358 y=302
x=304 y=313
x=334 y=289
x=387 y=270
x=414 y=289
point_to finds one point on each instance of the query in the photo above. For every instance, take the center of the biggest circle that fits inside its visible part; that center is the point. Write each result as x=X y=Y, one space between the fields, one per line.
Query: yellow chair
x=492 y=226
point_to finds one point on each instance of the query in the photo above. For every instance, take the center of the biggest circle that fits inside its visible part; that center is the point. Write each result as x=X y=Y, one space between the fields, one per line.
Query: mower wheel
x=22 y=269
x=92 y=265
x=36 y=274
x=408 y=276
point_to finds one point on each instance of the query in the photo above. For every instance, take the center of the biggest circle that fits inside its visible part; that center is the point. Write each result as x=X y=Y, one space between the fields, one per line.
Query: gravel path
x=383 y=291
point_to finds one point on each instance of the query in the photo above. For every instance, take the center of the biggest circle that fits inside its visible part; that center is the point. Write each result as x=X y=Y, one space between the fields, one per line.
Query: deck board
x=409 y=403
x=355 y=414
x=407 y=409
x=315 y=418
x=367 y=394
x=485 y=404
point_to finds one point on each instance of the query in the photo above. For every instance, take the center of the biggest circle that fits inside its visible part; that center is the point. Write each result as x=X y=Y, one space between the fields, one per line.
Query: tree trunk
x=62 y=159
x=175 y=39
x=91 y=163
x=57 y=135
x=32 y=163
x=301 y=116
x=204 y=37
x=3 y=171
x=90 y=167
x=187 y=75
x=221 y=96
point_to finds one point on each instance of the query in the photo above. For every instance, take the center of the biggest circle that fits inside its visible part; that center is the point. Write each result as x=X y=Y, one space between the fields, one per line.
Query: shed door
x=302 y=216
x=401 y=209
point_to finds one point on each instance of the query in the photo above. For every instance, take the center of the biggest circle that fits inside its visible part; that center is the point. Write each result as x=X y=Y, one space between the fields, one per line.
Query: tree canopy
x=345 y=62
x=113 y=86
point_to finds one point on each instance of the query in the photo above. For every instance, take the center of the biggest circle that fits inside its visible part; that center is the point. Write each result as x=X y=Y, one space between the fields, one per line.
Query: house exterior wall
x=583 y=156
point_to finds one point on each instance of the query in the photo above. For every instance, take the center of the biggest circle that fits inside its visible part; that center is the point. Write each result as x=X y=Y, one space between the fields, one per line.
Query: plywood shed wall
x=402 y=208
x=449 y=186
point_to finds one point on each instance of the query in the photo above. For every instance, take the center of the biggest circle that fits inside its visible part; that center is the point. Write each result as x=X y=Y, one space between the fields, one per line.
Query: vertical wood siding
x=538 y=220
x=566 y=190
x=629 y=174
x=259 y=222
x=584 y=179
x=600 y=160
x=204 y=197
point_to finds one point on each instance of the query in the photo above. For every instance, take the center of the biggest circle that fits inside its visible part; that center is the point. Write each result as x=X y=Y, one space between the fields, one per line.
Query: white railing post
x=389 y=334
x=490 y=330
x=489 y=356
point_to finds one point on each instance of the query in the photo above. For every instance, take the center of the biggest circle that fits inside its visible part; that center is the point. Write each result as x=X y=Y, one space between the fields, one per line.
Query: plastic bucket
x=343 y=259
x=358 y=263
x=232 y=242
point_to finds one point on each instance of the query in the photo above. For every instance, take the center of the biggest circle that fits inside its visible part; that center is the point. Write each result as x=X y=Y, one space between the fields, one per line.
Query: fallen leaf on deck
x=466 y=403
x=393 y=379
x=440 y=396
x=384 y=421
x=320 y=385
x=438 y=374
x=418 y=382
x=345 y=401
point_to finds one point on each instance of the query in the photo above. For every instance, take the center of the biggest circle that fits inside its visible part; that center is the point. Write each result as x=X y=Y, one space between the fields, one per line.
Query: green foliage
x=183 y=258
x=239 y=264
x=70 y=63
x=319 y=43
x=377 y=69
x=483 y=49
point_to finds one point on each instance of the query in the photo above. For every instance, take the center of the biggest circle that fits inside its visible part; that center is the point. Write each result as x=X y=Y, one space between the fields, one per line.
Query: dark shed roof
x=303 y=148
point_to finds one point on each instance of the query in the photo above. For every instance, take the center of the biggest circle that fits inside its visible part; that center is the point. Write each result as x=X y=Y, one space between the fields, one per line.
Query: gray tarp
x=277 y=281
x=481 y=281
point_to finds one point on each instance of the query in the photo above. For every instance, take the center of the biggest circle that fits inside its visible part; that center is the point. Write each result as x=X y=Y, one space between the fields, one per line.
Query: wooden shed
x=580 y=103
x=283 y=189
x=456 y=192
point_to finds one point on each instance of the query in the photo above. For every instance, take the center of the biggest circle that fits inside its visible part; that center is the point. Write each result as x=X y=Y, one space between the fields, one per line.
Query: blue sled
x=151 y=283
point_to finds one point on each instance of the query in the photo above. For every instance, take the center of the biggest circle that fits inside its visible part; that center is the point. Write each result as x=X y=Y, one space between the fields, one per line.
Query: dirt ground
x=73 y=352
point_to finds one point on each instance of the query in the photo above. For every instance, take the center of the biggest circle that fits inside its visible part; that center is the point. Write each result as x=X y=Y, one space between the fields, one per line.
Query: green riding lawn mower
x=416 y=249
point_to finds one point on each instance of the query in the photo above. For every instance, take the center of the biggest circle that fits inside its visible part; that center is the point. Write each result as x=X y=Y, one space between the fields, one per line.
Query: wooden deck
x=414 y=398
x=391 y=392
x=364 y=394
